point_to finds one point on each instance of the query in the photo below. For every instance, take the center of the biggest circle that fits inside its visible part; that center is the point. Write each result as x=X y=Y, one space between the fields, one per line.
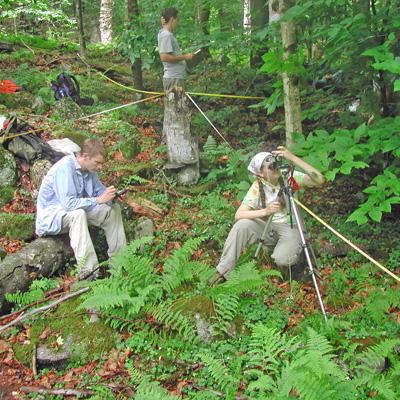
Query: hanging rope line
x=348 y=241
x=228 y=96
x=205 y=116
x=118 y=107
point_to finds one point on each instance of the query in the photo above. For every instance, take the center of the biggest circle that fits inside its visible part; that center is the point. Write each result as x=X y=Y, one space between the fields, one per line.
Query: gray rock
x=55 y=358
x=66 y=109
x=38 y=103
x=205 y=331
x=41 y=258
x=144 y=228
x=8 y=168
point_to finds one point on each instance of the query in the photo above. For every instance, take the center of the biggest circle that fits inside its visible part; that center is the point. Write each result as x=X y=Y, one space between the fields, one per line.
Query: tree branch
x=44 y=308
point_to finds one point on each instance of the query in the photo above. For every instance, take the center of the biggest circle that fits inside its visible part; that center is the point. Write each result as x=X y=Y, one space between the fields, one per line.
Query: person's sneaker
x=217 y=279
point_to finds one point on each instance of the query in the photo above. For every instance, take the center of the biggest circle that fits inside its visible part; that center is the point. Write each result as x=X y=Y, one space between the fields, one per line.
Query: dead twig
x=44 y=308
x=34 y=359
x=51 y=294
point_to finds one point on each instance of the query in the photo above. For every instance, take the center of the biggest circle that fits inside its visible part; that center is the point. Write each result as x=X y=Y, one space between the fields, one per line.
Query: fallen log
x=41 y=258
x=57 y=392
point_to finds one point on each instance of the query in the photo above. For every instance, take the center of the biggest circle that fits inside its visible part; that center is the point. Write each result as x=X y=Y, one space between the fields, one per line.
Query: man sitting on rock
x=71 y=197
x=258 y=205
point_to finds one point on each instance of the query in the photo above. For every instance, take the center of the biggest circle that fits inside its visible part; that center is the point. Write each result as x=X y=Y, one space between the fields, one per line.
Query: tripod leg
x=307 y=253
x=264 y=234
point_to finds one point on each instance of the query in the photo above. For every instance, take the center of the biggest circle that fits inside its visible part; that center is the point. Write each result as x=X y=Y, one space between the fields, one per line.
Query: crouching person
x=71 y=197
x=259 y=204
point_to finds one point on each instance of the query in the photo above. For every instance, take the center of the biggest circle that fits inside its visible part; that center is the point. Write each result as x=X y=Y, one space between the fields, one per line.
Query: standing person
x=257 y=206
x=170 y=53
x=71 y=197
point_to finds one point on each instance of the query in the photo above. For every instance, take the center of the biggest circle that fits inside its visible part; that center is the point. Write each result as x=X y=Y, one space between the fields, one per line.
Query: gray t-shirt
x=167 y=43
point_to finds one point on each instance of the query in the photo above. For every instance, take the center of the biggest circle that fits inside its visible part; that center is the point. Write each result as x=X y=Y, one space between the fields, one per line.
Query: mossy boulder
x=8 y=168
x=90 y=341
x=62 y=131
x=17 y=226
x=66 y=109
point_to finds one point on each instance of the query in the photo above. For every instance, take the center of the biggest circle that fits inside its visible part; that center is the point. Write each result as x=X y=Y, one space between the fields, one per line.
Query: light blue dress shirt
x=65 y=188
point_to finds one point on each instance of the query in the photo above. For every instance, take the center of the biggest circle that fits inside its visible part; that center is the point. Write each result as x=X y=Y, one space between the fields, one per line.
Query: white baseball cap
x=257 y=161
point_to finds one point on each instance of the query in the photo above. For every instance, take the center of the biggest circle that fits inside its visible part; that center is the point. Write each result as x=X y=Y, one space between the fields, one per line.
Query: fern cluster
x=36 y=292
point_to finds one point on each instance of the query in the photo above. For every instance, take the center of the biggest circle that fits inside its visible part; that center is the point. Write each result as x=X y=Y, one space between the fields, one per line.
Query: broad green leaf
x=357 y=216
x=397 y=85
x=375 y=215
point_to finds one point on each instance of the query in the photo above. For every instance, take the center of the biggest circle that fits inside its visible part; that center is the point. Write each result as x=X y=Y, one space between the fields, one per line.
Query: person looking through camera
x=259 y=204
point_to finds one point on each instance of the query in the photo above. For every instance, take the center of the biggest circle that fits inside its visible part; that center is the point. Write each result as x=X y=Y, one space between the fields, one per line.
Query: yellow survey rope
x=348 y=241
x=228 y=96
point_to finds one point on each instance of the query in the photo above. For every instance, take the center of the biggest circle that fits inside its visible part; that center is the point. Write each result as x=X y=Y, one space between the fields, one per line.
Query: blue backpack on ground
x=66 y=85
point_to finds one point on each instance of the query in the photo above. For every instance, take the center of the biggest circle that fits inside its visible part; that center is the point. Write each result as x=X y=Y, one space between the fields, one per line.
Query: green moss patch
x=17 y=226
x=6 y=195
x=93 y=340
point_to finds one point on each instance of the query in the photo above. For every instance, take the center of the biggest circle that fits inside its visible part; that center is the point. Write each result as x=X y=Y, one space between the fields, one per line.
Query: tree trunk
x=290 y=81
x=82 y=41
x=203 y=17
x=183 y=151
x=105 y=21
x=40 y=258
x=259 y=20
x=132 y=17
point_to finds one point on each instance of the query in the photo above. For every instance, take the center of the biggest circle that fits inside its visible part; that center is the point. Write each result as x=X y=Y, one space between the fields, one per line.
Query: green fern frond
x=131 y=249
x=210 y=145
x=311 y=388
x=174 y=319
x=102 y=393
x=371 y=359
x=136 y=377
x=152 y=391
x=217 y=370
x=104 y=297
x=242 y=279
x=318 y=343
x=384 y=387
x=117 y=319
x=177 y=268
x=183 y=254
x=36 y=292
x=262 y=384
x=226 y=308
x=25 y=298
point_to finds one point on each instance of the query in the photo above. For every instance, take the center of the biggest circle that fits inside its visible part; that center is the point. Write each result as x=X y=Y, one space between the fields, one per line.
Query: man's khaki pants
x=76 y=223
x=285 y=242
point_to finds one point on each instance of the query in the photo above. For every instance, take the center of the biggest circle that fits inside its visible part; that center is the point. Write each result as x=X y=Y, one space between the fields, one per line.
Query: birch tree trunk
x=182 y=148
x=290 y=81
x=105 y=20
x=132 y=16
x=82 y=40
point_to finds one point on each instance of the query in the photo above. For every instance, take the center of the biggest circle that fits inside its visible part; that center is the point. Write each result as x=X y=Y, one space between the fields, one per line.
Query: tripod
x=287 y=191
